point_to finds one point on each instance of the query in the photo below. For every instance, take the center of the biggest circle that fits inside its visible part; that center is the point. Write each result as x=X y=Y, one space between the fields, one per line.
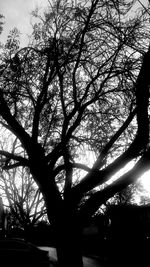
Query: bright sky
x=17 y=14
x=146 y=180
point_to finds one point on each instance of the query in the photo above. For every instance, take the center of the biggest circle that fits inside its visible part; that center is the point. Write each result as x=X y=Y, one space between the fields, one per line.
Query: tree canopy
x=81 y=87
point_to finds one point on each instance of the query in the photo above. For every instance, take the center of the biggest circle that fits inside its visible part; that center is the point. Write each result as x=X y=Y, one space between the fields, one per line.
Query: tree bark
x=68 y=245
x=67 y=233
x=60 y=214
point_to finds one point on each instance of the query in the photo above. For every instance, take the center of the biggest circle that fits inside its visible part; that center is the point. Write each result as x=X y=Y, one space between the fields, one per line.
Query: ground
x=88 y=262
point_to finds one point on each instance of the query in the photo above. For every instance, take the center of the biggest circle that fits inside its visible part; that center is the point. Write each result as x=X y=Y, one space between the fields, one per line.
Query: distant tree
x=125 y=196
x=142 y=193
x=80 y=88
x=23 y=200
x=1 y=23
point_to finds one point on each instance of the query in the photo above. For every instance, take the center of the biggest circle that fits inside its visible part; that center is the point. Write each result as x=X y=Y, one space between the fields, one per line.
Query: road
x=88 y=262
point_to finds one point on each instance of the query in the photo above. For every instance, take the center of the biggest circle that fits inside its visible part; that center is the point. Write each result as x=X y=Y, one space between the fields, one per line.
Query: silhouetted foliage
x=77 y=101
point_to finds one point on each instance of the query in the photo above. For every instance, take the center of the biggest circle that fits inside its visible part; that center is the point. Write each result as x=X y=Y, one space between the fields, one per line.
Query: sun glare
x=145 y=180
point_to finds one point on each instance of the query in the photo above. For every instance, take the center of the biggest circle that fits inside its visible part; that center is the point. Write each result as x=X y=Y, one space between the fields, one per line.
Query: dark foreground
x=130 y=253
x=88 y=261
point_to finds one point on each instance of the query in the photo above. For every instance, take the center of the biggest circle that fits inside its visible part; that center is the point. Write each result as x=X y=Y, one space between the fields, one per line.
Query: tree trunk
x=61 y=216
x=68 y=251
x=68 y=245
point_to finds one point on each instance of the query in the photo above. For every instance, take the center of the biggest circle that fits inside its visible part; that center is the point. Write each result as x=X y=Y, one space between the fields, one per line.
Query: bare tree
x=23 y=200
x=81 y=86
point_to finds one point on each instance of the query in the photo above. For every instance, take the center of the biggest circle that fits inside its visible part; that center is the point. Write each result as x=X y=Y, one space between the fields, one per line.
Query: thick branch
x=139 y=144
x=13 y=124
x=99 y=161
x=13 y=166
x=87 y=22
x=40 y=102
x=100 y=197
x=9 y=156
x=73 y=165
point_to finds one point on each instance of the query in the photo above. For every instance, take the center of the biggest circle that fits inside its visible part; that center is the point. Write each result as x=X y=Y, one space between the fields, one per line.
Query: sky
x=17 y=14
